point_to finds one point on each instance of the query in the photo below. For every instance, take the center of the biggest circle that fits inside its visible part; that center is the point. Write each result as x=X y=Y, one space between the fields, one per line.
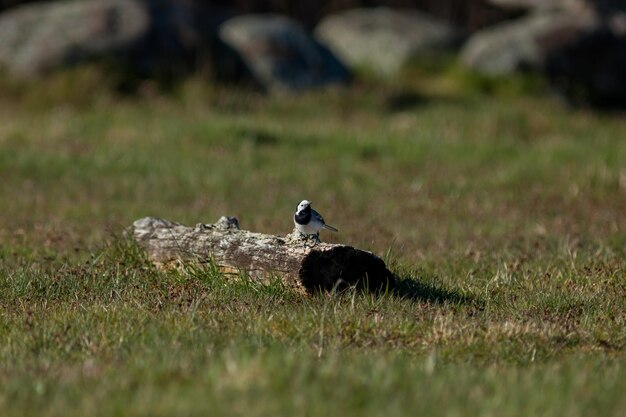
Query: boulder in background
x=384 y=39
x=537 y=4
x=578 y=45
x=280 y=54
x=37 y=38
x=525 y=43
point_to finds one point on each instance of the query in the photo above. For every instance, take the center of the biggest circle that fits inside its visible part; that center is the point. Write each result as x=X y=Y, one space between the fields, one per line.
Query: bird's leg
x=314 y=239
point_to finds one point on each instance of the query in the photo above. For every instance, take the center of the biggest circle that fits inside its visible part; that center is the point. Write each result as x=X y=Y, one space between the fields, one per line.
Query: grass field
x=504 y=217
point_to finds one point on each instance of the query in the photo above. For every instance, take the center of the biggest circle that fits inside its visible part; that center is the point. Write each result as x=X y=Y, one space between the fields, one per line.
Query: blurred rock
x=535 y=4
x=580 y=46
x=525 y=43
x=384 y=39
x=617 y=23
x=280 y=55
x=36 y=38
x=602 y=6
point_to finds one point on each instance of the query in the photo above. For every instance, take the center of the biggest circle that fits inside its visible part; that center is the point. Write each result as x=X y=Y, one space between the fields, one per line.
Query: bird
x=308 y=221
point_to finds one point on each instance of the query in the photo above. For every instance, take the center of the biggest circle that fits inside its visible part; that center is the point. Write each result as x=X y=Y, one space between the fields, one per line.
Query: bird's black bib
x=304 y=216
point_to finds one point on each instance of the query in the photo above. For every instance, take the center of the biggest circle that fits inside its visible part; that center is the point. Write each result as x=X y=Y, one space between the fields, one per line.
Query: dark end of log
x=342 y=267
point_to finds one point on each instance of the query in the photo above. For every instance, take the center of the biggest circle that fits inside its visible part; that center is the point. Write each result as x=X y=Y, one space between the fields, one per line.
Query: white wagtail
x=308 y=221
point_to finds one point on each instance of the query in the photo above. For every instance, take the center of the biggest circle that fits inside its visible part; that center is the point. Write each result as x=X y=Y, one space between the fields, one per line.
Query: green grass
x=503 y=216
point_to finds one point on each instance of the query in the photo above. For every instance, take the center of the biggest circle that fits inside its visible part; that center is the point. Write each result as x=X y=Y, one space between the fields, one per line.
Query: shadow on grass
x=398 y=101
x=407 y=100
x=411 y=289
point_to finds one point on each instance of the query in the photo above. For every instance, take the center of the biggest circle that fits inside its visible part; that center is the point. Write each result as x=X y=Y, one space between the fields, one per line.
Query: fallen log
x=302 y=264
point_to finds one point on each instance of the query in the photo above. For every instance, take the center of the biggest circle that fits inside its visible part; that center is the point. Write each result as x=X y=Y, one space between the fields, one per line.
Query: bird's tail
x=332 y=229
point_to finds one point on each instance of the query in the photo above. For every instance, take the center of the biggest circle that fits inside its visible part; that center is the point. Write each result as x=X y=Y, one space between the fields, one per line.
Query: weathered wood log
x=302 y=264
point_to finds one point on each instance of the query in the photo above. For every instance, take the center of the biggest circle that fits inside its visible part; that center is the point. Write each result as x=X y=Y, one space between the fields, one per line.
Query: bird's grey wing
x=321 y=221
x=318 y=217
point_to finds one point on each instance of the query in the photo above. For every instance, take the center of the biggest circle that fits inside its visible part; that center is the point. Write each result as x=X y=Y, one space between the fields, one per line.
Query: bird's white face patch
x=303 y=204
